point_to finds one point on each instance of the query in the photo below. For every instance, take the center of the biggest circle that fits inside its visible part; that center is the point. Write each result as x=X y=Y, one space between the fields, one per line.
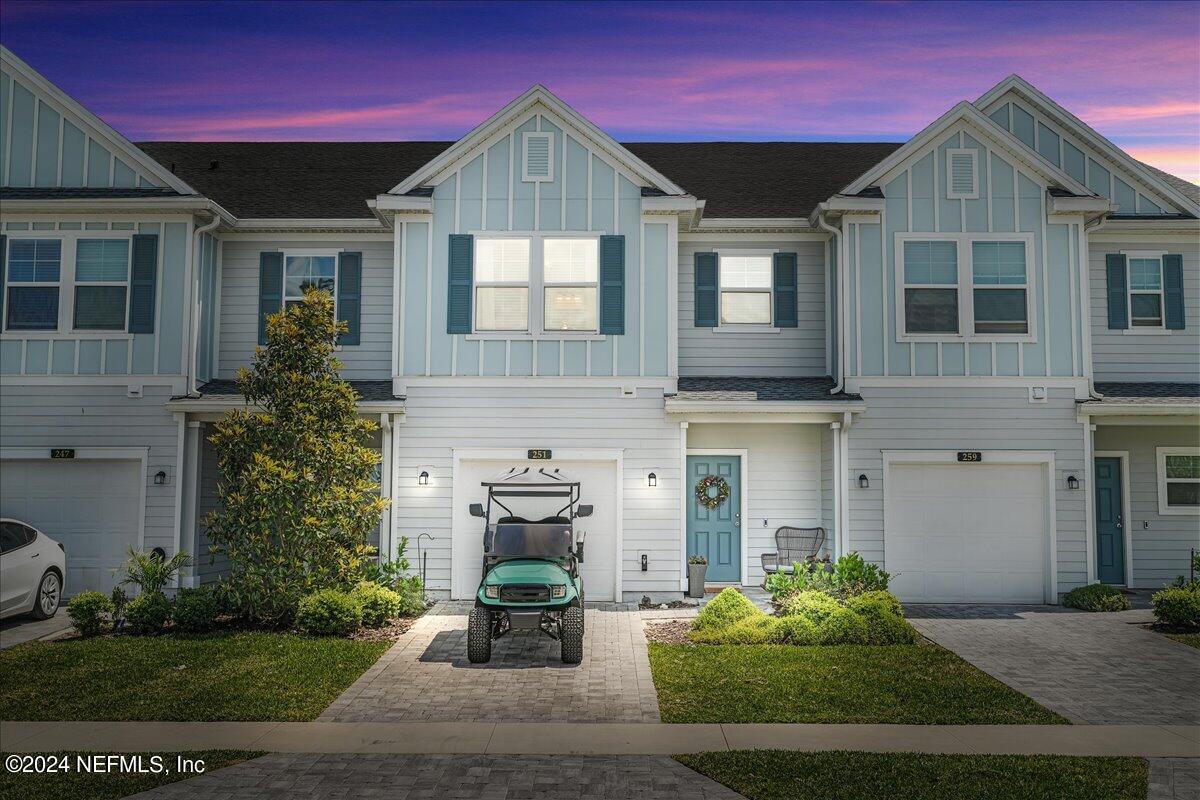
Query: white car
x=32 y=571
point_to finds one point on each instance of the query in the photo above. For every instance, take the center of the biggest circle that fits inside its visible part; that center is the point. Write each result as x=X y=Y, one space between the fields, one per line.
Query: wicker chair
x=793 y=545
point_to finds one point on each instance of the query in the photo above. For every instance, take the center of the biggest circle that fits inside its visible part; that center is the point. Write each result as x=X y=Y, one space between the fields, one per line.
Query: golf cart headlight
x=491 y=592
x=558 y=591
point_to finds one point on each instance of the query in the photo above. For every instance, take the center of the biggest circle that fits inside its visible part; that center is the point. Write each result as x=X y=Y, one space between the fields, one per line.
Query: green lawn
x=916 y=684
x=779 y=774
x=93 y=786
x=229 y=676
x=1190 y=639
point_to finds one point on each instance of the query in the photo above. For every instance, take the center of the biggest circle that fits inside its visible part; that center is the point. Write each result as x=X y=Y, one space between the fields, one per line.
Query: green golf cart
x=531 y=579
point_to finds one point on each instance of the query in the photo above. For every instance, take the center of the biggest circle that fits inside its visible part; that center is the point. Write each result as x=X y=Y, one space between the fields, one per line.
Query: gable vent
x=962 y=174
x=539 y=157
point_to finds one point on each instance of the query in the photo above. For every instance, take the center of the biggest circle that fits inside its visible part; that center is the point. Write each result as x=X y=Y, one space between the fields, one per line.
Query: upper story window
x=34 y=272
x=560 y=273
x=930 y=287
x=303 y=271
x=1000 y=284
x=1178 y=480
x=101 y=284
x=501 y=284
x=745 y=283
x=1146 y=292
x=570 y=272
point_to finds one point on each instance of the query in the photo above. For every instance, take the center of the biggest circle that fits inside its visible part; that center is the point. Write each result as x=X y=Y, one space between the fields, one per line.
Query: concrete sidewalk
x=1147 y=741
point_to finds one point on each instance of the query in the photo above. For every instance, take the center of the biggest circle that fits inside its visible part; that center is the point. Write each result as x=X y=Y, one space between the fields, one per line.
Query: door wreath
x=708 y=482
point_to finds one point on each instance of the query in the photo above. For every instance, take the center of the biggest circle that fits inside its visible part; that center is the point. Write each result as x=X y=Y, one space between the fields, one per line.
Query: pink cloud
x=1183 y=161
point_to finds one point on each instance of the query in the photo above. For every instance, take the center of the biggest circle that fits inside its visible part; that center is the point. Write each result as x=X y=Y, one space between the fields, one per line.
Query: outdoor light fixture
x=863 y=482
x=1072 y=482
x=652 y=480
x=160 y=478
x=423 y=478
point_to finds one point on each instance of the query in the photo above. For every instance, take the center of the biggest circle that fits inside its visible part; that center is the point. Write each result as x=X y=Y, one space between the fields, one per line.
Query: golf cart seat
x=512 y=521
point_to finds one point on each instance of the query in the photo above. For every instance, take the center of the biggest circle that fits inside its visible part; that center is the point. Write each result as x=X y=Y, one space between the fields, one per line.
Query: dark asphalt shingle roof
x=1148 y=392
x=725 y=389
x=75 y=193
x=368 y=391
x=1186 y=188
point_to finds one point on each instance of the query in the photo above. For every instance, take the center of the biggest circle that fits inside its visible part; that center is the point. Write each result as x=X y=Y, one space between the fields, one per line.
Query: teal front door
x=1110 y=522
x=717 y=532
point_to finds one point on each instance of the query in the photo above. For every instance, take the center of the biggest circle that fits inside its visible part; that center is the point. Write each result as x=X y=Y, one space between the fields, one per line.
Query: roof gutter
x=194 y=311
x=817 y=220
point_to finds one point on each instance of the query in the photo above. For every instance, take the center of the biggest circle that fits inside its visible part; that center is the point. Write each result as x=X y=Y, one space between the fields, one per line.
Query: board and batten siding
x=486 y=193
x=438 y=420
x=784 y=474
x=791 y=352
x=239 y=303
x=118 y=353
x=967 y=418
x=1011 y=200
x=101 y=416
x=1160 y=551
x=1120 y=355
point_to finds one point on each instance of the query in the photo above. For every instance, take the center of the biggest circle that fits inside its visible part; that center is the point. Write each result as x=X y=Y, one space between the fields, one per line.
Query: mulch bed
x=646 y=605
x=393 y=630
x=672 y=631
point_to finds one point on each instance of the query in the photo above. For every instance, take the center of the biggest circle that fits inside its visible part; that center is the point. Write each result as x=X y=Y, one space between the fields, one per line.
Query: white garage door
x=93 y=507
x=599 y=488
x=966 y=533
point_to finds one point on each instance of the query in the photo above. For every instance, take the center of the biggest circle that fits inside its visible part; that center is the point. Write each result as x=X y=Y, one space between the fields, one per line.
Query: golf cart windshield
x=530 y=540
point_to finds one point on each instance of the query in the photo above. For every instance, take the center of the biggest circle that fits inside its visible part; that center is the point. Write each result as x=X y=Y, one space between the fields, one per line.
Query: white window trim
x=525 y=139
x=747 y=327
x=1146 y=330
x=306 y=253
x=966 y=295
x=125 y=283
x=9 y=284
x=1160 y=457
x=974 y=193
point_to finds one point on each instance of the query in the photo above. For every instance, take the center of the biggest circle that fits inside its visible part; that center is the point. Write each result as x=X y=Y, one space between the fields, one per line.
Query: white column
x=385 y=487
x=835 y=545
x=189 y=480
x=683 y=505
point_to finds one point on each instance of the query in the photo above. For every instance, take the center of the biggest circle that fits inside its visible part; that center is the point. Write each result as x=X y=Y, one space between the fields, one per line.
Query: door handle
x=1119 y=521
x=737 y=520
x=35 y=555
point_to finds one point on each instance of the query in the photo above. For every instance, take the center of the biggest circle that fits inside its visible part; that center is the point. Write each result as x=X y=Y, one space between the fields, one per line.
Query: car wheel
x=479 y=636
x=572 y=635
x=49 y=595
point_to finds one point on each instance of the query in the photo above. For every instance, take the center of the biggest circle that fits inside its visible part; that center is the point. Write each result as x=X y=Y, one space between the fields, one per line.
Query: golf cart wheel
x=479 y=636
x=572 y=635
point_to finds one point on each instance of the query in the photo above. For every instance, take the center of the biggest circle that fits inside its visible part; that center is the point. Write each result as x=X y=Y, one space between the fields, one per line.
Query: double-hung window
x=1178 y=480
x=745 y=282
x=1145 y=292
x=303 y=271
x=502 y=284
x=34 y=269
x=931 y=287
x=999 y=281
x=570 y=282
x=101 y=284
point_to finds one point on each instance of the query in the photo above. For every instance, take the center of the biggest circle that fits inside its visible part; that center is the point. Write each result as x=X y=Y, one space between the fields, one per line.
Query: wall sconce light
x=863 y=481
x=652 y=480
x=1072 y=482
x=423 y=478
x=160 y=478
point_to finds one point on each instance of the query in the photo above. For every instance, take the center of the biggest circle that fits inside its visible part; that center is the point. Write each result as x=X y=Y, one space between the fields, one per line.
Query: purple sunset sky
x=642 y=71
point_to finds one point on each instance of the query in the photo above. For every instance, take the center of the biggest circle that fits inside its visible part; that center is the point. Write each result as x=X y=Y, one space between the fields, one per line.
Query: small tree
x=298 y=496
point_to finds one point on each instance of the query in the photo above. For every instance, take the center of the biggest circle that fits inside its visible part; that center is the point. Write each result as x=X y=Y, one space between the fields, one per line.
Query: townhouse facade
x=974 y=357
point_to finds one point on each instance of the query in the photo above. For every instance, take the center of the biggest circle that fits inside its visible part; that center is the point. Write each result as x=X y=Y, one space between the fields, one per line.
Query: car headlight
x=491 y=592
x=558 y=591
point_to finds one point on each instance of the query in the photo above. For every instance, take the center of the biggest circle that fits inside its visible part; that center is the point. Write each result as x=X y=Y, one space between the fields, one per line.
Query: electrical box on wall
x=644 y=561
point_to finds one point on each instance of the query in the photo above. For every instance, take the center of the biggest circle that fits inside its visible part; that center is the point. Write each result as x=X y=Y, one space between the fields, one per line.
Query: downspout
x=819 y=215
x=1085 y=265
x=194 y=314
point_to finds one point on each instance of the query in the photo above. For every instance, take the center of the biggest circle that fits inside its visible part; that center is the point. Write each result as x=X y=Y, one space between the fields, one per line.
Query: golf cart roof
x=527 y=478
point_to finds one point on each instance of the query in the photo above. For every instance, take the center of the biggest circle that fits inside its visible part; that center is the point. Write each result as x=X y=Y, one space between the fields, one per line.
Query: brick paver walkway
x=1094 y=668
x=425 y=676
x=1174 y=779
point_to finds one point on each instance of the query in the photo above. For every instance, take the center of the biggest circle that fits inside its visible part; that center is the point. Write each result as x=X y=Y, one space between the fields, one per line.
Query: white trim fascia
x=143 y=161
x=1139 y=409
x=1031 y=94
x=1126 y=527
x=743 y=456
x=1160 y=480
x=627 y=383
x=670 y=204
x=1164 y=231
x=762 y=407
x=532 y=96
x=750 y=224
x=177 y=383
x=402 y=203
x=1079 y=384
x=341 y=237
x=1081 y=205
x=331 y=225
x=81 y=206
x=751 y=418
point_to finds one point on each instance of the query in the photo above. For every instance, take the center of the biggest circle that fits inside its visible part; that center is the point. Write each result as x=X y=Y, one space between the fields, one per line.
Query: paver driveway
x=426 y=675
x=1093 y=668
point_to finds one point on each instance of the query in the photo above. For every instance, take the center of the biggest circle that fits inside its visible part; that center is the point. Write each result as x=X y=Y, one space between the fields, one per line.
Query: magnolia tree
x=297 y=488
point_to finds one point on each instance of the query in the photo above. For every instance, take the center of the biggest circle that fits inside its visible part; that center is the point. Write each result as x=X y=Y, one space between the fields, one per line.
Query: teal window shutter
x=705 y=290
x=349 y=297
x=784 y=281
x=142 y=280
x=612 y=285
x=1173 y=291
x=1118 y=291
x=462 y=276
x=270 y=289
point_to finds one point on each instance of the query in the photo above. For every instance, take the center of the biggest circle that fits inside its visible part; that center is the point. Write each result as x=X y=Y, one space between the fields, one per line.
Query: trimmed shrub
x=1097 y=597
x=795 y=630
x=378 y=603
x=1178 y=607
x=725 y=609
x=758 y=629
x=87 y=610
x=884 y=617
x=412 y=596
x=885 y=600
x=147 y=613
x=816 y=606
x=328 y=612
x=843 y=626
x=195 y=610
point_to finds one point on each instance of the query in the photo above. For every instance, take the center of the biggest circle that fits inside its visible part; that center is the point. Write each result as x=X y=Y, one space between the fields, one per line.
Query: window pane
x=99 y=308
x=1183 y=493
x=1144 y=273
x=996 y=263
x=1147 y=309
x=102 y=260
x=1183 y=467
x=304 y=271
x=570 y=309
x=571 y=260
x=1000 y=311
x=502 y=260
x=742 y=308
x=501 y=308
x=746 y=272
x=32 y=308
x=931 y=310
x=930 y=262
x=34 y=260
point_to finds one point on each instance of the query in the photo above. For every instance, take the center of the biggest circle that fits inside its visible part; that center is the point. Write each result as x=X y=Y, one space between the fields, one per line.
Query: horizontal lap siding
x=440 y=419
x=942 y=418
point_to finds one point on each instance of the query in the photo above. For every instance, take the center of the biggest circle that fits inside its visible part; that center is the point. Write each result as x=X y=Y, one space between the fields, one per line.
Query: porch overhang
x=219 y=396
x=761 y=400
x=1143 y=404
